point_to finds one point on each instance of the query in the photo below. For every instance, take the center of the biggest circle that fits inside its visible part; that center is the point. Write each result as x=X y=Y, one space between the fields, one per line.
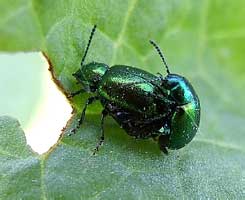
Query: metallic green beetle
x=166 y=109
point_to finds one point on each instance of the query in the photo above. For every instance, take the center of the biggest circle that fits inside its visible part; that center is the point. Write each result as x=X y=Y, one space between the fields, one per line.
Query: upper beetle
x=166 y=109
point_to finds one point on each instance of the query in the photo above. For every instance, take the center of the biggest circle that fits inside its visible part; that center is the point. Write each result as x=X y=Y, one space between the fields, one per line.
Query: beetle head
x=180 y=89
x=90 y=74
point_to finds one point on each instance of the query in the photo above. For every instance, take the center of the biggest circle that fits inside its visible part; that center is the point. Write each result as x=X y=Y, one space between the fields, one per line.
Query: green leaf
x=19 y=27
x=20 y=168
x=203 y=41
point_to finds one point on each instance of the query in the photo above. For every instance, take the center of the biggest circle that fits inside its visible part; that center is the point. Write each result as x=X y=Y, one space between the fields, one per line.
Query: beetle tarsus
x=98 y=145
x=164 y=150
x=72 y=132
x=163 y=142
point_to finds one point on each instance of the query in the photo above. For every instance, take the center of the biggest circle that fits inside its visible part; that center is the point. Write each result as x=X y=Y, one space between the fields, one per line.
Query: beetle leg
x=102 y=137
x=164 y=150
x=163 y=141
x=89 y=101
x=71 y=95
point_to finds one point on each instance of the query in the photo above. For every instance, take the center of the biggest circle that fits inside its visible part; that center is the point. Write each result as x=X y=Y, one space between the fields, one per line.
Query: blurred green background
x=21 y=85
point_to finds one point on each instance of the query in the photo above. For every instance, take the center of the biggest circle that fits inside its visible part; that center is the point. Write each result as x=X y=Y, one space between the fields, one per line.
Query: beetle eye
x=170 y=85
x=164 y=83
x=180 y=110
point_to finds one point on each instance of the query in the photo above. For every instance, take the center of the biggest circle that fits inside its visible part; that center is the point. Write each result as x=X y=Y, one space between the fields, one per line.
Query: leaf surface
x=203 y=41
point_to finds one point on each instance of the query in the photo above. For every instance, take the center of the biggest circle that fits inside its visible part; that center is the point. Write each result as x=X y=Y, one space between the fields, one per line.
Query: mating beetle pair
x=166 y=109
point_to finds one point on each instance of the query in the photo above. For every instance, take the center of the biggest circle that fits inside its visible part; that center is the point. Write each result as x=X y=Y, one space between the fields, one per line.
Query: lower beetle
x=166 y=109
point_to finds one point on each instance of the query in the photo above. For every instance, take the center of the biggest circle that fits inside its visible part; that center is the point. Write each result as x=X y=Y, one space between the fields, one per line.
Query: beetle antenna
x=161 y=55
x=89 y=42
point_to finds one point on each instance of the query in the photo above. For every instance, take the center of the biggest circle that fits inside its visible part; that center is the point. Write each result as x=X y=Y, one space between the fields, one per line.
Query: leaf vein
x=17 y=12
x=124 y=27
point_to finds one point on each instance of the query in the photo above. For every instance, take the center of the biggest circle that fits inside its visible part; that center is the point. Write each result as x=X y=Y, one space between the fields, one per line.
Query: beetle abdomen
x=134 y=123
